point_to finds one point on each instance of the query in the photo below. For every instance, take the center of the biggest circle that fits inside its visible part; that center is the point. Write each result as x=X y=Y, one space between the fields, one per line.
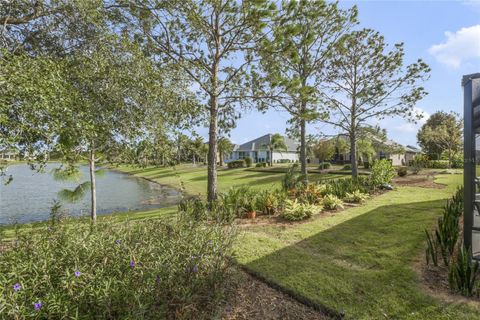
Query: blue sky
x=445 y=34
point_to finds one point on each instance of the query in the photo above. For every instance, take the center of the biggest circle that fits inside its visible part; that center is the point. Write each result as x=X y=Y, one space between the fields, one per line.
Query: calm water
x=30 y=195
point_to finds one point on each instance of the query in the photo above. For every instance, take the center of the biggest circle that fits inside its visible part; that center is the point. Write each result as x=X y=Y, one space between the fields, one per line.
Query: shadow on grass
x=361 y=266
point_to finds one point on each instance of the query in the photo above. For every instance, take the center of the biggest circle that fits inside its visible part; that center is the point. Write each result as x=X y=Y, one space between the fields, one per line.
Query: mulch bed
x=417 y=180
x=249 y=298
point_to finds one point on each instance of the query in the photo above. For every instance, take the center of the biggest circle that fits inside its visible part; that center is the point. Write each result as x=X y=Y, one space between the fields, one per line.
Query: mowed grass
x=193 y=179
x=359 y=261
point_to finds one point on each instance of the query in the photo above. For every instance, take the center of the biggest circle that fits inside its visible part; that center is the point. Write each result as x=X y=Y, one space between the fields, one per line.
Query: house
x=257 y=149
x=398 y=154
x=8 y=155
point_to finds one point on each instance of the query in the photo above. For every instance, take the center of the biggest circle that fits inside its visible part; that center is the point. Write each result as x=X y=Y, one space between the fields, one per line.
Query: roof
x=413 y=149
x=261 y=142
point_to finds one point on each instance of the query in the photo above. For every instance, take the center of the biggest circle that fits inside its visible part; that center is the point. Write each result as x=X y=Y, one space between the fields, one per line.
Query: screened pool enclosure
x=471 y=222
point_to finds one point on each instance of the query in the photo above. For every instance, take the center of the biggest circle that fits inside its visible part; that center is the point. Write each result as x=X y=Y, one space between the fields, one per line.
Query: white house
x=398 y=154
x=257 y=149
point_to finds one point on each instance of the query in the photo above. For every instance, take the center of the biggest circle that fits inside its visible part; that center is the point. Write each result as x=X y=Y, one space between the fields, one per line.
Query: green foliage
x=311 y=193
x=441 y=134
x=268 y=202
x=356 y=197
x=402 y=171
x=237 y=164
x=324 y=165
x=292 y=179
x=431 y=252
x=366 y=165
x=463 y=272
x=143 y=270
x=324 y=150
x=248 y=161
x=296 y=211
x=261 y=165
x=347 y=167
x=332 y=202
x=340 y=187
x=382 y=172
x=76 y=194
x=446 y=235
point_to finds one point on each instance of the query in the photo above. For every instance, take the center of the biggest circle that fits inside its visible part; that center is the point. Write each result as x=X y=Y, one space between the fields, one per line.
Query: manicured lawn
x=194 y=179
x=360 y=260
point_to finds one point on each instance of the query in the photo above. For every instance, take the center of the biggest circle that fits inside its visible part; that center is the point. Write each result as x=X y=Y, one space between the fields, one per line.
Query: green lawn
x=193 y=179
x=360 y=260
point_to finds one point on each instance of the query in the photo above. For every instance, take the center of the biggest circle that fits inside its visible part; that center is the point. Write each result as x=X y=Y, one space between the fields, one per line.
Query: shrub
x=267 y=202
x=402 y=171
x=457 y=162
x=311 y=194
x=261 y=165
x=445 y=237
x=463 y=273
x=366 y=165
x=331 y=202
x=237 y=164
x=356 y=197
x=382 y=172
x=284 y=161
x=130 y=270
x=340 y=187
x=292 y=178
x=194 y=208
x=248 y=161
x=437 y=164
x=324 y=165
x=236 y=199
x=295 y=210
x=347 y=167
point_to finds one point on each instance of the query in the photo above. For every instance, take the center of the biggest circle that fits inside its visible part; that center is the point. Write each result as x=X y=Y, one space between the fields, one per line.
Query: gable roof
x=260 y=143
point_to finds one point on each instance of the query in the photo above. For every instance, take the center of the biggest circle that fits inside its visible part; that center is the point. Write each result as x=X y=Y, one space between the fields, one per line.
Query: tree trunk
x=353 y=154
x=221 y=159
x=93 y=187
x=212 y=151
x=271 y=157
x=193 y=159
x=303 y=150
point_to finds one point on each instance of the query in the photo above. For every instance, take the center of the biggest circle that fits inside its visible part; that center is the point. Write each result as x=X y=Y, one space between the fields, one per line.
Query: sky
x=445 y=34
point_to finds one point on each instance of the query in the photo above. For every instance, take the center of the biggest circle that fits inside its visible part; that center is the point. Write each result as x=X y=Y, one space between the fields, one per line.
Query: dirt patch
x=249 y=298
x=434 y=280
x=417 y=180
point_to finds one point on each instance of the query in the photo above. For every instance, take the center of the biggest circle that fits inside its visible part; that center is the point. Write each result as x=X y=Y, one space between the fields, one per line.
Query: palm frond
x=69 y=173
x=76 y=194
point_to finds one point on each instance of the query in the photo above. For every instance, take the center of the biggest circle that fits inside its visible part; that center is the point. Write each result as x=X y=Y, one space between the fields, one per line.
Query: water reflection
x=30 y=195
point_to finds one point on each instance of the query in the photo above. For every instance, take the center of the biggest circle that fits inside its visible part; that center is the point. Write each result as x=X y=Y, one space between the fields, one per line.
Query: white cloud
x=458 y=46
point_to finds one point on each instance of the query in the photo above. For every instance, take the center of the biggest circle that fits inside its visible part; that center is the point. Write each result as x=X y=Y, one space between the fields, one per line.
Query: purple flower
x=132 y=264
x=117 y=241
x=195 y=269
x=192 y=257
x=38 y=305
x=17 y=287
x=210 y=242
x=77 y=273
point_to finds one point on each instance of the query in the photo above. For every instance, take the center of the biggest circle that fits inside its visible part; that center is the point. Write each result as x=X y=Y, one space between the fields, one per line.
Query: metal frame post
x=471 y=91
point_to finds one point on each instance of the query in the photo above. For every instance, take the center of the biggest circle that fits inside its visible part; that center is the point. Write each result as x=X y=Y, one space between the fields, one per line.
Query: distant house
x=398 y=154
x=257 y=149
x=8 y=155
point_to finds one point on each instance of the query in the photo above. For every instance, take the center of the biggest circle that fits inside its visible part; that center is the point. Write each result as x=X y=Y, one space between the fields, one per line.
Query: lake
x=30 y=195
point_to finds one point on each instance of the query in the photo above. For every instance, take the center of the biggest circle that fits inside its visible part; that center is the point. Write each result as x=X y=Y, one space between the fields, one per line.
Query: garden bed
x=423 y=181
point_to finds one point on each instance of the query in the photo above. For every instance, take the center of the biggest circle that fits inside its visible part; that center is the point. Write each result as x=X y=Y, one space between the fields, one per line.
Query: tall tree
x=442 y=134
x=225 y=146
x=211 y=40
x=367 y=82
x=277 y=142
x=438 y=119
x=294 y=54
x=324 y=150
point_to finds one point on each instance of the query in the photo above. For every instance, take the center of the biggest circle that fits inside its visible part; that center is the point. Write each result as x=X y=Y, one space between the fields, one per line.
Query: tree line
x=123 y=81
